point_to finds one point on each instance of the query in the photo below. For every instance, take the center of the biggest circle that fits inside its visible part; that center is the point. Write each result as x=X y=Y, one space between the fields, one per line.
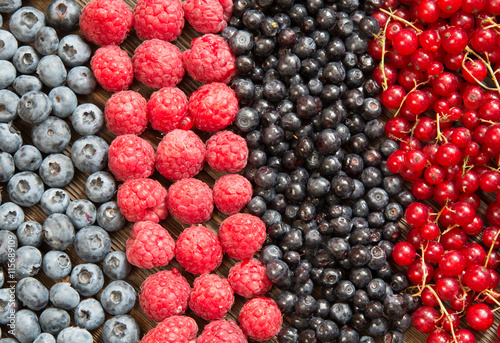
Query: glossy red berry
x=473 y=6
x=479 y=317
x=477 y=278
x=449 y=155
x=417 y=101
x=474 y=71
x=474 y=253
x=445 y=84
x=425 y=319
x=393 y=96
x=489 y=239
x=417 y=214
x=452 y=263
x=446 y=191
x=454 y=40
x=449 y=6
x=429 y=231
x=483 y=40
x=404 y=253
x=405 y=42
x=463 y=213
x=492 y=137
x=428 y=11
x=430 y=40
x=416 y=270
x=454 y=239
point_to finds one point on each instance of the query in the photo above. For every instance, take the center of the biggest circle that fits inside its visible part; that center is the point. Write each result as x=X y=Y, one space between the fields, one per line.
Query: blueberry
x=87 y=119
x=73 y=51
x=26 y=83
x=377 y=199
x=120 y=329
x=45 y=337
x=7 y=167
x=32 y=293
x=118 y=298
x=54 y=200
x=30 y=234
x=28 y=158
x=8 y=105
x=74 y=335
x=64 y=101
x=25 y=59
x=25 y=23
x=25 y=188
x=92 y=244
x=9 y=340
x=100 y=187
x=116 y=266
x=51 y=71
x=87 y=279
x=247 y=119
x=56 y=170
x=8 y=305
x=34 y=107
x=7 y=74
x=56 y=264
x=64 y=296
x=63 y=14
x=8 y=45
x=2 y=278
x=8 y=243
x=54 y=320
x=10 y=138
x=82 y=213
x=28 y=262
x=241 y=42
x=58 y=231
x=51 y=136
x=26 y=326
x=46 y=41
x=81 y=80
x=89 y=314
x=109 y=217
x=90 y=154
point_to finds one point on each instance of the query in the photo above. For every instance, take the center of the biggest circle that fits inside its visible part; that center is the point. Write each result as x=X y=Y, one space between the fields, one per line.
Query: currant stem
x=491 y=247
x=382 y=62
x=407 y=94
x=444 y=312
x=392 y=15
x=487 y=64
x=475 y=79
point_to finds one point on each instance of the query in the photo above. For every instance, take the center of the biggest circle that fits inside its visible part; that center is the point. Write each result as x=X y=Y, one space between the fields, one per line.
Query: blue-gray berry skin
x=9 y=340
x=87 y=279
x=58 y=231
x=54 y=200
x=92 y=244
x=25 y=59
x=100 y=187
x=9 y=45
x=64 y=101
x=110 y=218
x=7 y=305
x=28 y=158
x=54 y=320
x=74 y=51
x=25 y=23
x=46 y=41
x=7 y=166
x=28 y=262
x=45 y=337
x=57 y=170
x=81 y=213
x=63 y=14
x=89 y=314
x=87 y=119
x=11 y=216
x=27 y=327
x=32 y=294
x=56 y=264
x=51 y=136
x=64 y=296
x=25 y=189
x=74 y=335
x=116 y=266
x=2 y=278
x=121 y=329
x=26 y=83
x=7 y=74
x=90 y=154
x=10 y=6
x=118 y=298
x=51 y=71
x=8 y=105
x=8 y=245
x=30 y=234
x=10 y=138
x=81 y=80
x=34 y=107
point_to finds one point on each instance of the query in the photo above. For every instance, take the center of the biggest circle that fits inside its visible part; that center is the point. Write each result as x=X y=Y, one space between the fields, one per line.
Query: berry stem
x=487 y=64
x=491 y=247
x=392 y=15
x=444 y=312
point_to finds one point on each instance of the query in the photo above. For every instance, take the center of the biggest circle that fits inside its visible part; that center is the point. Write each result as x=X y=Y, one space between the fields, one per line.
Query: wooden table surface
x=76 y=191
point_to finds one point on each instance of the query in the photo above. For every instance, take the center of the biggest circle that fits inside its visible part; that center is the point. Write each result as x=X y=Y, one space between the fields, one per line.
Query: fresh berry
x=27 y=158
x=212 y=297
x=162 y=19
x=164 y=294
x=105 y=22
x=131 y=157
x=231 y=193
x=242 y=235
x=222 y=331
x=81 y=80
x=89 y=153
x=210 y=59
x=74 y=51
x=175 y=329
x=248 y=278
x=116 y=266
x=158 y=64
x=167 y=108
x=25 y=30
x=126 y=112
x=100 y=247
x=149 y=245
x=87 y=279
x=112 y=68
x=198 y=250
x=118 y=298
x=121 y=328
x=190 y=201
x=205 y=16
x=87 y=119
x=227 y=152
x=260 y=319
x=63 y=14
x=180 y=155
x=142 y=199
x=89 y=314
x=100 y=187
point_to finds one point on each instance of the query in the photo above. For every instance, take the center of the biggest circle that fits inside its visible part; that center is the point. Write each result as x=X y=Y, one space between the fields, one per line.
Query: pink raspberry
x=231 y=193
x=150 y=245
x=158 y=64
x=112 y=68
x=105 y=22
x=205 y=16
x=213 y=107
x=248 y=278
x=227 y=5
x=190 y=201
x=167 y=109
x=212 y=297
x=260 y=319
x=180 y=155
x=210 y=59
x=164 y=294
x=126 y=113
x=227 y=152
x=131 y=157
x=198 y=250
x=242 y=235
x=175 y=329
x=142 y=199
x=222 y=331
x=162 y=19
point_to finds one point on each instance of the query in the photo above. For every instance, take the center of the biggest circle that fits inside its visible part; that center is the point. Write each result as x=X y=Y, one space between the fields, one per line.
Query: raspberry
x=210 y=59
x=242 y=235
x=105 y=22
x=198 y=250
x=158 y=64
x=227 y=152
x=150 y=245
x=112 y=68
x=205 y=16
x=180 y=155
x=212 y=297
x=175 y=329
x=260 y=319
x=167 y=107
x=213 y=107
x=248 y=278
x=222 y=331
x=126 y=113
x=190 y=201
x=164 y=294
x=131 y=157
x=162 y=19
x=231 y=193
x=142 y=199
